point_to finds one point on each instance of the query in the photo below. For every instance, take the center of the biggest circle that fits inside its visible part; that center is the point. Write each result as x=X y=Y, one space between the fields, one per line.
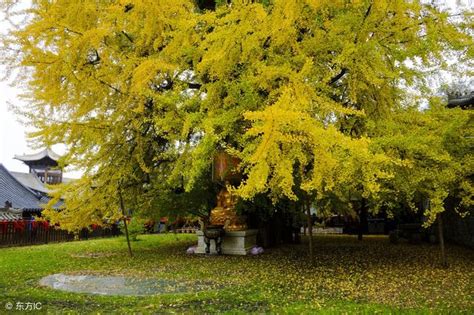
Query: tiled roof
x=15 y=192
x=38 y=156
x=31 y=181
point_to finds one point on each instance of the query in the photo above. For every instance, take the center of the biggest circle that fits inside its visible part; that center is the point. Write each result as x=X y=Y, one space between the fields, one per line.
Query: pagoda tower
x=44 y=165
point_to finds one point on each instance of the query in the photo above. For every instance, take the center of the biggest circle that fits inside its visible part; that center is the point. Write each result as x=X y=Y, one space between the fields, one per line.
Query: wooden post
x=122 y=207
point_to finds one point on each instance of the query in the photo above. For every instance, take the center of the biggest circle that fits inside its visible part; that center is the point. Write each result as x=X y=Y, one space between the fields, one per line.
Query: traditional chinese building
x=43 y=166
x=27 y=191
x=15 y=195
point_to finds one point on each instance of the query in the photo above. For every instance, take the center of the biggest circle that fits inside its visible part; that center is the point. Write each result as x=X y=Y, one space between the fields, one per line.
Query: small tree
x=135 y=226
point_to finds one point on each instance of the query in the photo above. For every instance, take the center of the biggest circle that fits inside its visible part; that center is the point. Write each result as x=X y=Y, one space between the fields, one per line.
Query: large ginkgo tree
x=143 y=94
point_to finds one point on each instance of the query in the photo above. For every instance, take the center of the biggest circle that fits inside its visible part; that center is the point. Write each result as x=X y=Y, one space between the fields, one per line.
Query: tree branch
x=338 y=76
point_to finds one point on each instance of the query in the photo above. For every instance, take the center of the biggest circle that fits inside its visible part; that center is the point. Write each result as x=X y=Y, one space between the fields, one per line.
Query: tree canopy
x=144 y=93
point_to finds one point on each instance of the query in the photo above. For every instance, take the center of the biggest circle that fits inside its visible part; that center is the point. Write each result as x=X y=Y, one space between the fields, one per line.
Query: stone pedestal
x=234 y=242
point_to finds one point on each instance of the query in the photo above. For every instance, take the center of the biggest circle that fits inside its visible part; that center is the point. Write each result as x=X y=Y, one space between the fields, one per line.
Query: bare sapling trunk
x=310 y=228
x=360 y=233
x=122 y=208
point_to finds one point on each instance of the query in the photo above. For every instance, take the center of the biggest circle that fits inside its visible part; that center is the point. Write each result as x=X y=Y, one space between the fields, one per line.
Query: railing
x=187 y=230
x=19 y=233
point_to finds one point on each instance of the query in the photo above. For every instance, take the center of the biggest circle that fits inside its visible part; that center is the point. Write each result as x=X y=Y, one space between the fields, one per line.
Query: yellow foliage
x=291 y=87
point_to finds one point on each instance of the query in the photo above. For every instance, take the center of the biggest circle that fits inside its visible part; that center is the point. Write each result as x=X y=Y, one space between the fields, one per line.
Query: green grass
x=346 y=276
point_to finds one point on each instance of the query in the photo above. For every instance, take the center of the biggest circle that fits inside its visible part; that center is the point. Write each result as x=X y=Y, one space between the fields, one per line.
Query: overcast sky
x=12 y=133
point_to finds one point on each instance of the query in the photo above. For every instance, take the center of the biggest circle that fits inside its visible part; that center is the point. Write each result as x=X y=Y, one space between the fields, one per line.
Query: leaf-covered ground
x=346 y=276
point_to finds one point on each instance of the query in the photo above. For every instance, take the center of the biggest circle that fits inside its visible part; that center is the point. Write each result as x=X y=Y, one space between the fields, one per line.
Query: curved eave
x=463 y=102
x=31 y=181
x=46 y=153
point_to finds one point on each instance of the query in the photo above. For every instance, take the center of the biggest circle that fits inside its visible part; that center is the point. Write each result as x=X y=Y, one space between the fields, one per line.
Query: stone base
x=234 y=242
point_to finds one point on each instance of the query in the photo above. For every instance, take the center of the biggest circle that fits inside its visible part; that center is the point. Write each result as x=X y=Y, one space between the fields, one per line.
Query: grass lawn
x=346 y=276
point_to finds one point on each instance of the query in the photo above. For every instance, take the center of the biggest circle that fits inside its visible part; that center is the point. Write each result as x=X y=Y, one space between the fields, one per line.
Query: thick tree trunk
x=362 y=219
x=444 y=261
x=360 y=234
x=122 y=208
x=310 y=228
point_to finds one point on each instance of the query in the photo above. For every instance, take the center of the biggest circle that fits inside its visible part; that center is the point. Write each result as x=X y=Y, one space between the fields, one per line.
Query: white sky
x=12 y=133
x=13 y=140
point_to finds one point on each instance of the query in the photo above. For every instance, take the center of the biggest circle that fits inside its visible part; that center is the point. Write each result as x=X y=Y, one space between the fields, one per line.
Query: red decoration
x=19 y=225
x=225 y=167
x=4 y=226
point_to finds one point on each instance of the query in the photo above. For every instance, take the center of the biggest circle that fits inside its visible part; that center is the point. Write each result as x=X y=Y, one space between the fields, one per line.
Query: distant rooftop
x=46 y=153
x=31 y=181
x=464 y=101
x=15 y=192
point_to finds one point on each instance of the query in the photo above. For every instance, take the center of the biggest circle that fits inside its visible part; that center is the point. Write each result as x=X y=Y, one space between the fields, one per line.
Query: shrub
x=136 y=226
